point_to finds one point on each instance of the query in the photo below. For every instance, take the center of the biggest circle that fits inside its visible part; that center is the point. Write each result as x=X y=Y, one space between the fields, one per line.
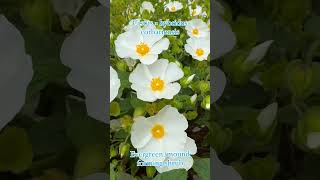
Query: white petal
x=149 y=59
x=141 y=76
x=190 y=146
x=313 y=140
x=174 y=141
x=159 y=68
x=114 y=84
x=219 y=82
x=140 y=132
x=144 y=93
x=172 y=119
x=221 y=171
x=153 y=146
x=267 y=116
x=170 y=91
x=224 y=38
x=160 y=46
x=126 y=43
x=258 y=52
x=173 y=73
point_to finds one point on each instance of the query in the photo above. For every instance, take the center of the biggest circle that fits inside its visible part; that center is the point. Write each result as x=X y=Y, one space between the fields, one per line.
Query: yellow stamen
x=157 y=131
x=142 y=49
x=195 y=31
x=157 y=84
x=173 y=9
x=199 y=52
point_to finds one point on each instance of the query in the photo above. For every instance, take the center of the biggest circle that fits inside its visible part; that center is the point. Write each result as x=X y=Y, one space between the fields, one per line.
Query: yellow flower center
x=199 y=52
x=194 y=12
x=142 y=49
x=157 y=84
x=195 y=31
x=173 y=9
x=157 y=131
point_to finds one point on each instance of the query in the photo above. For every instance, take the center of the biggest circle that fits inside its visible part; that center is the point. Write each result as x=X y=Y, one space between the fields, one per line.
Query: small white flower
x=156 y=81
x=198 y=48
x=15 y=71
x=219 y=82
x=164 y=132
x=267 y=116
x=313 y=140
x=187 y=161
x=114 y=84
x=173 y=6
x=195 y=12
x=84 y=51
x=146 y=5
x=197 y=28
x=143 y=46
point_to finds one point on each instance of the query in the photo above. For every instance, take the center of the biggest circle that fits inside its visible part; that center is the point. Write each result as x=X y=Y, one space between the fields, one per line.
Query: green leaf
x=91 y=159
x=260 y=168
x=202 y=168
x=16 y=151
x=179 y=174
x=81 y=129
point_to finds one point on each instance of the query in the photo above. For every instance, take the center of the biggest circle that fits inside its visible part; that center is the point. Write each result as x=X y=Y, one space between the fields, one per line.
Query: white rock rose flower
x=197 y=28
x=173 y=6
x=187 y=161
x=114 y=84
x=156 y=81
x=15 y=71
x=195 y=12
x=146 y=5
x=198 y=48
x=84 y=51
x=164 y=132
x=139 y=45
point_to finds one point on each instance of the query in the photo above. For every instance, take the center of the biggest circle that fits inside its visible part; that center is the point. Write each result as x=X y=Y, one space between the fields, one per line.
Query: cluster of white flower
x=155 y=78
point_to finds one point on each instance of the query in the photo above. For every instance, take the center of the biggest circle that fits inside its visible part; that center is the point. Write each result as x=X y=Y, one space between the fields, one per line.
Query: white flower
x=156 y=81
x=219 y=82
x=96 y=176
x=138 y=44
x=84 y=51
x=164 y=132
x=267 y=116
x=15 y=71
x=313 y=140
x=221 y=171
x=173 y=6
x=197 y=28
x=63 y=7
x=114 y=84
x=195 y=12
x=224 y=39
x=191 y=147
x=146 y=5
x=198 y=48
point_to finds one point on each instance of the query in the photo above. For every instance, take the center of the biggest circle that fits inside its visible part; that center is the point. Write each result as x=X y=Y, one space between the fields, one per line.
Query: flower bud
x=139 y=111
x=114 y=108
x=299 y=78
x=124 y=149
x=126 y=121
x=206 y=103
x=151 y=171
x=193 y=99
x=191 y=115
x=113 y=152
x=204 y=86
